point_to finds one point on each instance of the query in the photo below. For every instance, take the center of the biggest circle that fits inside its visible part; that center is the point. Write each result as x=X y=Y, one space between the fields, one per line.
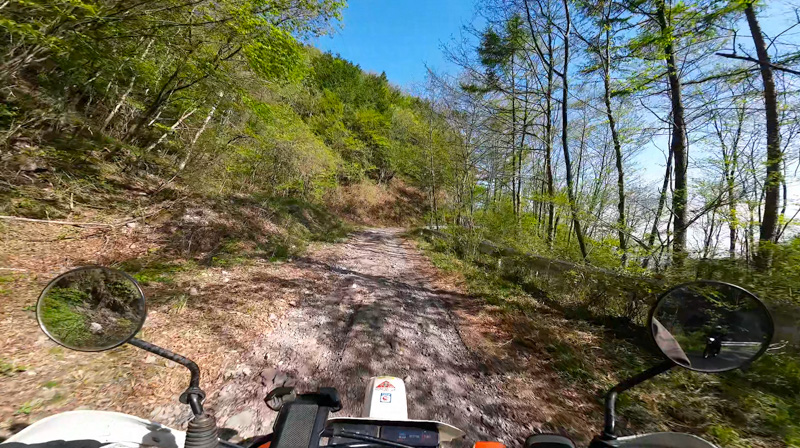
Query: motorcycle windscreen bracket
x=385 y=399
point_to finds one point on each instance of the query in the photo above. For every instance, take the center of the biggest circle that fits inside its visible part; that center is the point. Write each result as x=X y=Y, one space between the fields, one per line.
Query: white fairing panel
x=385 y=399
x=106 y=427
x=663 y=440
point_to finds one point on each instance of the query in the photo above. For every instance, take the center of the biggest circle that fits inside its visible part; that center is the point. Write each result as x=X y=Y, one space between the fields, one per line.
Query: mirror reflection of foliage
x=92 y=309
x=723 y=298
x=691 y=343
x=718 y=327
x=59 y=317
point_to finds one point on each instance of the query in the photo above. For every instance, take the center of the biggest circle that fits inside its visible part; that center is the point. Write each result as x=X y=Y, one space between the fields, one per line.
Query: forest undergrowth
x=554 y=314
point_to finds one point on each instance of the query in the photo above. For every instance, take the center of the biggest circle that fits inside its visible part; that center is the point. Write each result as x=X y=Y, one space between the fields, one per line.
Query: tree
x=600 y=48
x=769 y=221
x=678 y=141
x=564 y=124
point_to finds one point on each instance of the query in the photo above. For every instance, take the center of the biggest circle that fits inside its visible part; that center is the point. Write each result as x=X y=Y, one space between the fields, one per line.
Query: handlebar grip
x=300 y=422
x=299 y=425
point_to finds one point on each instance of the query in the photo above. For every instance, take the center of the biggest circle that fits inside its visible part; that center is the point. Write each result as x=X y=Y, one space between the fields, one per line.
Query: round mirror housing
x=710 y=326
x=91 y=309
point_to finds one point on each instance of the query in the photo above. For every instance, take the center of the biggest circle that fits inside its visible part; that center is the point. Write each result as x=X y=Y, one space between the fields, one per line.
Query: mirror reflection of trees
x=91 y=309
x=716 y=326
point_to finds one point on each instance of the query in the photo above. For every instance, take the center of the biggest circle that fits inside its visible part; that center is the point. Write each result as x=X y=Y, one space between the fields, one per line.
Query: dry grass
x=510 y=346
x=371 y=204
x=233 y=307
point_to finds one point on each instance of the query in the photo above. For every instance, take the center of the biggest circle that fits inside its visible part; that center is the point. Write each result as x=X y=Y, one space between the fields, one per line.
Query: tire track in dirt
x=379 y=317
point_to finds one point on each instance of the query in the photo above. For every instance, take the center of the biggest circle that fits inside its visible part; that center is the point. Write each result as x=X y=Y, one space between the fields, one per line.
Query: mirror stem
x=611 y=397
x=193 y=395
x=195 y=404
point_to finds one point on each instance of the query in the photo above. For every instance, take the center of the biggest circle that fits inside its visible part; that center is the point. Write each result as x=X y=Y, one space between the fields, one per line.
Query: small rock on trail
x=243 y=419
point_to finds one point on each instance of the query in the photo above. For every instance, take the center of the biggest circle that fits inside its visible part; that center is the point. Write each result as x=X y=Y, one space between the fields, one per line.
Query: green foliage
x=229 y=253
x=155 y=271
x=726 y=436
x=377 y=130
x=61 y=319
x=28 y=407
x=8 y=368
x=70 y=296
x=277 y=56
x=497 y=50
x=217 y=98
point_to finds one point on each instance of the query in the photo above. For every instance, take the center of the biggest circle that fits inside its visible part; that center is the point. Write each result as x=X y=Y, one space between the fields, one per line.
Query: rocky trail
x=381 y=317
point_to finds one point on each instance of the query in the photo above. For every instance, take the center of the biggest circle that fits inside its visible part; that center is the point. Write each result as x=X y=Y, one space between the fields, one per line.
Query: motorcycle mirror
x=710 y=326
x=91 y=309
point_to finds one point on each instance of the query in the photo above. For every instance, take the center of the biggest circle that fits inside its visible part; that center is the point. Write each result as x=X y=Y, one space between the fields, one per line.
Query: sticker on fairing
x=387 y=386
x=386 y=397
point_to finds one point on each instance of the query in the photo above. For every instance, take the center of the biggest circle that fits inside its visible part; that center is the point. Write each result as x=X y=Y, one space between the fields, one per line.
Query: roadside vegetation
x=117 y=108
x=755 y=407
x=227 y=137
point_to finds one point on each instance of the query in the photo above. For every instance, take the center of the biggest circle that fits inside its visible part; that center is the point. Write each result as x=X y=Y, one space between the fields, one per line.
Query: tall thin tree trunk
x=612 y=124
x=521 y=149
x=170 y=130
x=710 y=235
x=662 y=199
x=730 y=162
x=433 y=175
x=580 y=175
x=751 y=244
x=597 y=198
x=678 y=145
x=772 y=185
x=514 y=139
x=548 y=150
x=564 y=143
x=203 y=127
x=190 y=149
x=119 y=105
x=154 y=106
x=542 y=201
x=730 y=171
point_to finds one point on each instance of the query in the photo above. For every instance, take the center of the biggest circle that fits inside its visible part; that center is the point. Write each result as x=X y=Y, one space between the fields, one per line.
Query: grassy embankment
x=591 y=351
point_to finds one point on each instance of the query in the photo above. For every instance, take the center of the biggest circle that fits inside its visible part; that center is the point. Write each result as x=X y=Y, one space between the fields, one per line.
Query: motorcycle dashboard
x=417 y=434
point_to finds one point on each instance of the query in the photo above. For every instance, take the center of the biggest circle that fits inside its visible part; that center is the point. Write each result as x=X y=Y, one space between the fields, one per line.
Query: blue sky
x=398 y=37
x=401 y=36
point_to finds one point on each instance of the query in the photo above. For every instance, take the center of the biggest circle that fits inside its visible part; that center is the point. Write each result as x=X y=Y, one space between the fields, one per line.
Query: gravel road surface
x=380 y=317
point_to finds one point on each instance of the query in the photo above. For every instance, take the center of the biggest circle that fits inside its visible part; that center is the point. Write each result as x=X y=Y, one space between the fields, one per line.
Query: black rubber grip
x=299 y=425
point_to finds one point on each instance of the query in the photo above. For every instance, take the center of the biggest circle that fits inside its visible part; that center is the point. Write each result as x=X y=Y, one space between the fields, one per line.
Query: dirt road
x=372 y=305
x=381 y=317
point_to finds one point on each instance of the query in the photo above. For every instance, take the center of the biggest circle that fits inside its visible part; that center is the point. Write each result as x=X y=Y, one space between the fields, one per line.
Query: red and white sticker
x=385 y=386
x=386 y=397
